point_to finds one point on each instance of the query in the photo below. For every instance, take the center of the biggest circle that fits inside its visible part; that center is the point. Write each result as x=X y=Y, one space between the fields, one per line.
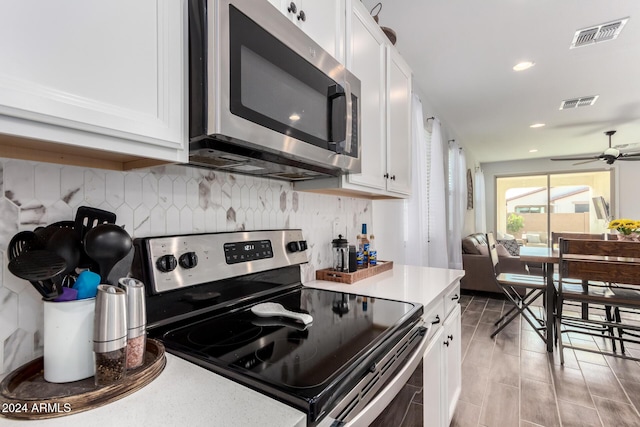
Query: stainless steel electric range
x=200 y=292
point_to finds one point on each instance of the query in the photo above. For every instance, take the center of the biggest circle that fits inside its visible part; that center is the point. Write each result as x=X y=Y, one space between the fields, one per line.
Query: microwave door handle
x=337 y=91
x=349 y=118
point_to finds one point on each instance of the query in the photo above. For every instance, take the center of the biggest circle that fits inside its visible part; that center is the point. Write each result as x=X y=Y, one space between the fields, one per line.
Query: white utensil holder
x=68 y=340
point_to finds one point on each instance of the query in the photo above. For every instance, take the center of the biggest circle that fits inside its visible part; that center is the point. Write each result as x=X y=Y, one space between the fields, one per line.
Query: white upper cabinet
x=322 y=20
x=107 y=75
x=399 y=124
x=385 y=114
x=366 y=59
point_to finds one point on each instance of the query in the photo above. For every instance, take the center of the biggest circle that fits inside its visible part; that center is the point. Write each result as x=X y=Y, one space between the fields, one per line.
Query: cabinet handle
x=435 y=322
x=302 y=16
x=446 y=343
x=455 y=297
x=393 y=177
x=386 y=176
x=450 y=337
x=292 y=8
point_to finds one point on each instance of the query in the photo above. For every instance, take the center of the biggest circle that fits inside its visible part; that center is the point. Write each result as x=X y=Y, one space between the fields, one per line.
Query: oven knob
x=188 y=260
x=298 y=246
x=293 y=246
x=166 y=263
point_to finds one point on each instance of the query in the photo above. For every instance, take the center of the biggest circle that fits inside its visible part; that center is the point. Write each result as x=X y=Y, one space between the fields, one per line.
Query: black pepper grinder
x=110 y=335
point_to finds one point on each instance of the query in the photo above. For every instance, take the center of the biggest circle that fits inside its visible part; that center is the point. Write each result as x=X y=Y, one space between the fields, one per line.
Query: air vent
x=584 y=101
x=598 y=33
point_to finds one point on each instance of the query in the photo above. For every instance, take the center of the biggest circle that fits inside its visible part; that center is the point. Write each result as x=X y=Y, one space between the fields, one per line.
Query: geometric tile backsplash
x=157 y=201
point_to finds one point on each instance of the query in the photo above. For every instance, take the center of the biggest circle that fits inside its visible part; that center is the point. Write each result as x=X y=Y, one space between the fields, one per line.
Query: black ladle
x=107 y=244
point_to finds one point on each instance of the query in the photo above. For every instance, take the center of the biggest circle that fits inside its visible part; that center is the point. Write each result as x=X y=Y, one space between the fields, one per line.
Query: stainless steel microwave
x=265 y=99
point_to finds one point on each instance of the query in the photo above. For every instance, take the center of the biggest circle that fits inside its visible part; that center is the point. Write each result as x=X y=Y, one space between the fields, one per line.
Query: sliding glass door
x=529 y=208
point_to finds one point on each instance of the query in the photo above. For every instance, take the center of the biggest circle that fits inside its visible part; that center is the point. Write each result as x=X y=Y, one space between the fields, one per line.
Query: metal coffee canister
x=110 y=335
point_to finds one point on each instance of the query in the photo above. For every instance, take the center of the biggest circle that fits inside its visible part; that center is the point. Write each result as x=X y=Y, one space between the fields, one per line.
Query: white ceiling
x=462 y=53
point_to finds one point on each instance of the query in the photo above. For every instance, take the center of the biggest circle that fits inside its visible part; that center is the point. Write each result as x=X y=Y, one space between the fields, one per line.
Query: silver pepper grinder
x=110 y=335
x=136 y=321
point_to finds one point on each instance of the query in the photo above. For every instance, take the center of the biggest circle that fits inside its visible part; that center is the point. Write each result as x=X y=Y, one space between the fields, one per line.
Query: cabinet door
x=322 y=20
x=432 y=381
x=399 y=132
x=452 y=362
x=366 y=59
x=114 y=68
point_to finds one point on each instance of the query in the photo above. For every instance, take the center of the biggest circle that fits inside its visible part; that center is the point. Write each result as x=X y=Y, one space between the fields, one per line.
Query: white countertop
x=186 y=394
x=402 y=282
x=183 y=395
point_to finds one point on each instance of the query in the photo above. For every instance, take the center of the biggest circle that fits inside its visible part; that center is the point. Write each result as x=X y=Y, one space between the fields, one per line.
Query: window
x=539 y=204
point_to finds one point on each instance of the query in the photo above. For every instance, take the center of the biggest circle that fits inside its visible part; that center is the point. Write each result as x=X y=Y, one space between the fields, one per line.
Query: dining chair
x=555 y=237
x=521 y=290
x=597 y=261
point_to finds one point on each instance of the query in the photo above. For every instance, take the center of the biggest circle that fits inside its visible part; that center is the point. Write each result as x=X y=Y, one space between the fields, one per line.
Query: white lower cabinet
x=452 y=360
x=442 y=381
x=432 y=381
x=108 y=76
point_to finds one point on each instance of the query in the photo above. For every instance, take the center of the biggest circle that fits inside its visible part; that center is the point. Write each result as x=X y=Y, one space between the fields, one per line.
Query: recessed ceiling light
x=537 y=125
x=523 y=66
x=534 y=150
x=294 y=117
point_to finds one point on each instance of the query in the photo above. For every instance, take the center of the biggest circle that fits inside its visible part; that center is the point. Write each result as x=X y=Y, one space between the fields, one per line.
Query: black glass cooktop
x=297 y=363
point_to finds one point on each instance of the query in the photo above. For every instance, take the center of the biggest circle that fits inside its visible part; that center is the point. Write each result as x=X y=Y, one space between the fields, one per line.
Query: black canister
x=353 y=259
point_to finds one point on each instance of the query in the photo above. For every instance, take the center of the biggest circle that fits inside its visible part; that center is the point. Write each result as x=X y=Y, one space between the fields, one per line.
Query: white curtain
x=438 y=253
x=457 y=189
x=416 y=232
x=479 y=202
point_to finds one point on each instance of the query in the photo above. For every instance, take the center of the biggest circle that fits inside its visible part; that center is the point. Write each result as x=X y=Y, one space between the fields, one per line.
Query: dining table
x=548 y=257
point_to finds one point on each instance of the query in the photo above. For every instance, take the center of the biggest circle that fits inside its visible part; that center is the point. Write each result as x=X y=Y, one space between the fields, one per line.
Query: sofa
x=479 y=274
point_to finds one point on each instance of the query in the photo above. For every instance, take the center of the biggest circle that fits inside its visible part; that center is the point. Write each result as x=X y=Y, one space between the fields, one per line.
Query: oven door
x=274 y=88
x=360 y=408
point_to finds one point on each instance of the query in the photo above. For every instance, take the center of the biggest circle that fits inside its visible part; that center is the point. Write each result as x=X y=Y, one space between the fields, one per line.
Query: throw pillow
x=533 y=238
x=502 y=251
x=511 y=246
x=484 y=250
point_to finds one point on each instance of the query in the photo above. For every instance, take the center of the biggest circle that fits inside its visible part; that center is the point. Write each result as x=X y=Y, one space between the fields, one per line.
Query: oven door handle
x=382 y=399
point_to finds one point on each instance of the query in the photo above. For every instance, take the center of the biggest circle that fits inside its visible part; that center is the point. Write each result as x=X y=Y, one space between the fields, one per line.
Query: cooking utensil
x=66 y=243
x=45 y=233
x=122 y=268
x=39 y=267
x=87 y=218
x=107 y=244
x=270 y=309
x=87 y=284
x=22 y=242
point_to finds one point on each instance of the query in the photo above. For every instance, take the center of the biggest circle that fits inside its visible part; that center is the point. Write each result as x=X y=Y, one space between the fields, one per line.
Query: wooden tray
x=350 y=278
x=24 y=394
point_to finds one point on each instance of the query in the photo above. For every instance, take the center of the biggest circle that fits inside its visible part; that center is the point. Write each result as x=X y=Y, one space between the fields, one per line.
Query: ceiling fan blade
x=625 y=155
x=586 y=161
x=636 y=159
x=577 y=158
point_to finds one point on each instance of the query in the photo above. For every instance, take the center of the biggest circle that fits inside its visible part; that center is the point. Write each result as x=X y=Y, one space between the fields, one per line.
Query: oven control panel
x=247 y=251
x=179 y=261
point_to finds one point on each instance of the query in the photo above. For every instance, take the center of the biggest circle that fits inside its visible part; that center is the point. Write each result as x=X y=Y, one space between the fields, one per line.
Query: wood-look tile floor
x=512 y=380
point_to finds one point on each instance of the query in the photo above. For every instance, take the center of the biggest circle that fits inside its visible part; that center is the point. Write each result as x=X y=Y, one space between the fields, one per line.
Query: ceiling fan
x=609 y=155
